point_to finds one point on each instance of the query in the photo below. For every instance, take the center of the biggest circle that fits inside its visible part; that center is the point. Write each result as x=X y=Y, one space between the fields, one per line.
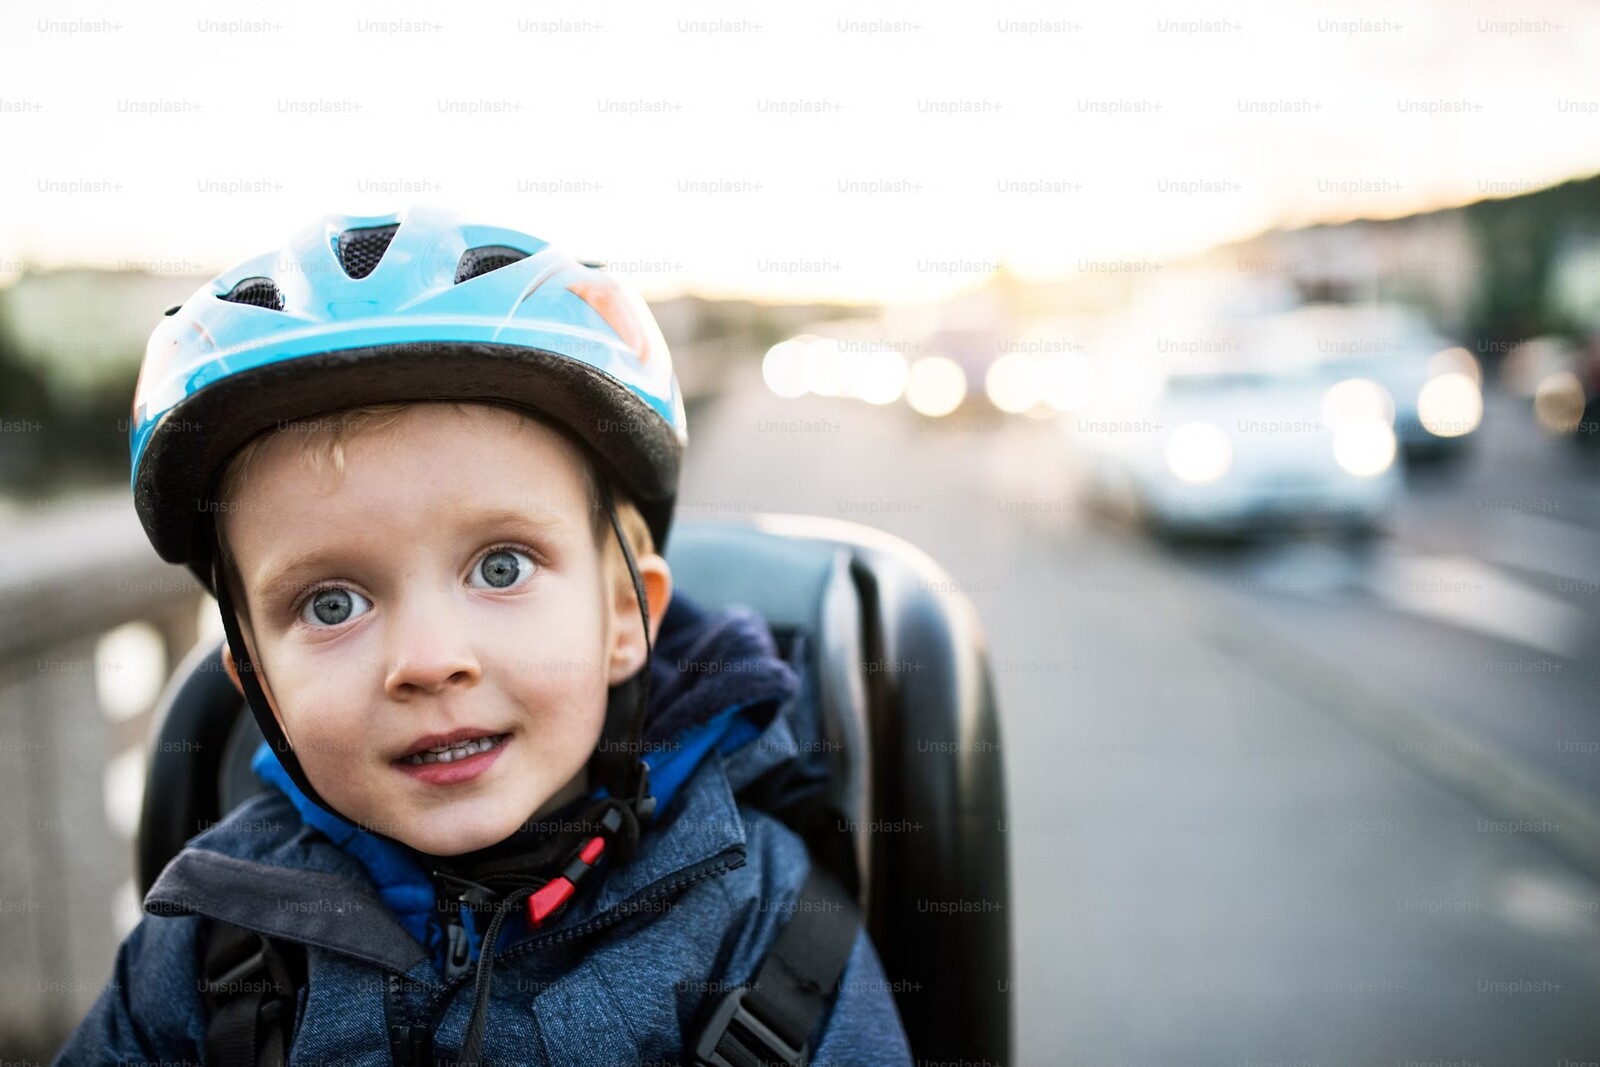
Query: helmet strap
x=618 y=763
x=254 y=695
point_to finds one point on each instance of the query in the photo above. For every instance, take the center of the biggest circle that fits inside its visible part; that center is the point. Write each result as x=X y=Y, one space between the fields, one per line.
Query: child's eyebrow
x=545 y=519
x=281 y=575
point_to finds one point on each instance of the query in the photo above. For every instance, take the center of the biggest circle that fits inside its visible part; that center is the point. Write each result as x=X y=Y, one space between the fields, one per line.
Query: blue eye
x=503 y=568
x=332 y=606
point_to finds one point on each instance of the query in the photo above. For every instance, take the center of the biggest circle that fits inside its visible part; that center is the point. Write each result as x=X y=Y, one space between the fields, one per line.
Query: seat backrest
x=895 y=660
x=939 y=904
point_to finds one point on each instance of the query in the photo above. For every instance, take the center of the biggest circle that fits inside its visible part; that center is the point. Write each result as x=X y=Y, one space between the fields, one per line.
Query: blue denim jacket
x=620 y=976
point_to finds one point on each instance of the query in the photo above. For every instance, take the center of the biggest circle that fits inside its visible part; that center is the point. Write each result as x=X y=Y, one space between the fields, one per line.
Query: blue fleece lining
x=675 y=761
x=401 y=882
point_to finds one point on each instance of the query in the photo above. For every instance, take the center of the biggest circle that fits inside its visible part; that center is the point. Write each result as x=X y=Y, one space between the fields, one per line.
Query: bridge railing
x=91 y=624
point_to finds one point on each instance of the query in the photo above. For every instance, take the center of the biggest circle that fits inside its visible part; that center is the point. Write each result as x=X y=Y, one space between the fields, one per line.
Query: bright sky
x=193 y=127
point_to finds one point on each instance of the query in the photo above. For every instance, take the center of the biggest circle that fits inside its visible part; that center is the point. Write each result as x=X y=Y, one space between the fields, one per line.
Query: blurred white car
x=1229 y=451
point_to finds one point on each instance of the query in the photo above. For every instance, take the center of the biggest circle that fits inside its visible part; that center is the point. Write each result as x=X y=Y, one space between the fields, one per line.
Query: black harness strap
x=251 y=991
x=770 y=1020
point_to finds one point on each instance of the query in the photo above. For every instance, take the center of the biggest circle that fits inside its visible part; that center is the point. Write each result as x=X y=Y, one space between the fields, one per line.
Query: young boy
x=427 y=470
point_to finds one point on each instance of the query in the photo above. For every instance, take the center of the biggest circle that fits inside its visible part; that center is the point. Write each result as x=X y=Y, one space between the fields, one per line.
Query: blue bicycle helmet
x=409 y=306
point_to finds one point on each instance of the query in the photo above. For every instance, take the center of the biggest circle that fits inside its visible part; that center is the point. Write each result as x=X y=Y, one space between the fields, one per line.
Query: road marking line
x=1544 y=544
x=1466 y=593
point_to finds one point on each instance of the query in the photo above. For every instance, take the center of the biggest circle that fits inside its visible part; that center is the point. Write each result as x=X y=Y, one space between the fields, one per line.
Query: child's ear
x=231 y=667
x=627 y=639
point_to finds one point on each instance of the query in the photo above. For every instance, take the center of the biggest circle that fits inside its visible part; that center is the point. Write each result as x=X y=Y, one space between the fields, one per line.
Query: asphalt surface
x=1292 y=802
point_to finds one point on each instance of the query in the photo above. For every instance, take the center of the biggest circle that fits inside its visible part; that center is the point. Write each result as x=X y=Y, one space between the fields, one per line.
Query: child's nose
x=430 y=675
x=428 y=650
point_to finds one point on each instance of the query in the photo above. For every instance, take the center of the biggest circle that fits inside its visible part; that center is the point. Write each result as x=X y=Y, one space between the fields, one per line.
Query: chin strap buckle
x=644 y=805
x=465 y=890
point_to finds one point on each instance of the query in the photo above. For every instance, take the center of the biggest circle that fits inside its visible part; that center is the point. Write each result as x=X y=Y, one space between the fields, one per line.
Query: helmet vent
x=482 y=260
x=360 y=250
x=258 y=292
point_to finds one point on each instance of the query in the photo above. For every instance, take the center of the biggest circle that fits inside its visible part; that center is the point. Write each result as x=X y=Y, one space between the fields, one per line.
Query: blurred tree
x=1520 y=241
x=27 y=411
x=61 y=425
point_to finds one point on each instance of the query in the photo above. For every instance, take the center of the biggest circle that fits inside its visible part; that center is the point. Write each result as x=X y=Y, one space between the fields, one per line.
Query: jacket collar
x=263 y=869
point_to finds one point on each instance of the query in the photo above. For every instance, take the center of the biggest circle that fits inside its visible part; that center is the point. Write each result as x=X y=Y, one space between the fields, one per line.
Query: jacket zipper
x=689 y=876
x=458 y=948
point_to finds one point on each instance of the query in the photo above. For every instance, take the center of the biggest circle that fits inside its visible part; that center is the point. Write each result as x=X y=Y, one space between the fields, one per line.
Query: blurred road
x=1260 y=809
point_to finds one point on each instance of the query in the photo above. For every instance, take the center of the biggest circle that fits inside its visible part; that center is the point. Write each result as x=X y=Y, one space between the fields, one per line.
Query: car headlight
x=935 y=386
x=1459 y=360
x=1355 y=399
x=1364 y=447
x=1199 y=452
x=1558 y=403
x=1012 y=383
x=1450 y=405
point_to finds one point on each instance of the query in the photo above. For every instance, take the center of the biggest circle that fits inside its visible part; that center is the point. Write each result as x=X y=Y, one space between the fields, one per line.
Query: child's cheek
x=334 y=749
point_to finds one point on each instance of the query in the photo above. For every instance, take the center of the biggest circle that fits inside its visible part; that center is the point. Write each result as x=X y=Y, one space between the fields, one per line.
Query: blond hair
x=328 y=435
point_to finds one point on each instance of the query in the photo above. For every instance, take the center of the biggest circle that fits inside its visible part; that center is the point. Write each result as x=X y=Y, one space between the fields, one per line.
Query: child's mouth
x=460 y=750
x=456 y=763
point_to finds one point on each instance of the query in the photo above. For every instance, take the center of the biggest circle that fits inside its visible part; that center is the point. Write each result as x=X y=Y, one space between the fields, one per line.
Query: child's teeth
x=451 y=753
